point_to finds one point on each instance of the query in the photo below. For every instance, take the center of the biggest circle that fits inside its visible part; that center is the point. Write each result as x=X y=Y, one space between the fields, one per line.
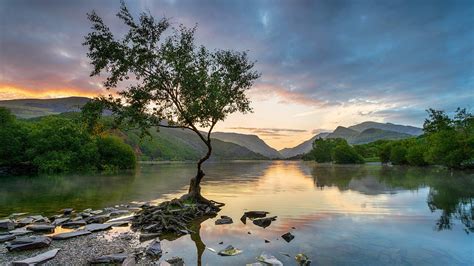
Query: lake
x=360 y=215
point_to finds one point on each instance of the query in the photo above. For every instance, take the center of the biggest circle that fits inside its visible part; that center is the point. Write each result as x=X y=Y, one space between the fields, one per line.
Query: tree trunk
x=194 y=192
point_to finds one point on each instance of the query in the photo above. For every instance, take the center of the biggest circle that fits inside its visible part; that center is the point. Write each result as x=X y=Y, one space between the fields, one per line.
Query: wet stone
x=68 y=211
x=6 y=237
x=264 y=222
x=7 y=224
x=174 y=261
x=74 y=224
x=224 y=220
x=60 y=221
x=230 y=251
x=41 y=227
x=20 y=231
x=154 y=249
x=288 y=237
x=26 y=243
x=256 y=214
x=25 y=221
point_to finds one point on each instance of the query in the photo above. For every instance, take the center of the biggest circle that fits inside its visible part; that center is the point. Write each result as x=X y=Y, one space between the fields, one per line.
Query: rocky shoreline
x=126 y=234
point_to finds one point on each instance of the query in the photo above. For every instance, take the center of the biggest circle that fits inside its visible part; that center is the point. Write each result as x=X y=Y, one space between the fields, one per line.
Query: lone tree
x=176 y=84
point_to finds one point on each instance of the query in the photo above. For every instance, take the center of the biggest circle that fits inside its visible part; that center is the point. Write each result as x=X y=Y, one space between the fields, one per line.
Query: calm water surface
x=358 y=215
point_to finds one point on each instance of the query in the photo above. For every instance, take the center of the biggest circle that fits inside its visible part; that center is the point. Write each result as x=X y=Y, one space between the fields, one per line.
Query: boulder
x=97 y=227
x=6 y=237
x=72 y=234
x=38 y=259
x=264 y=222
x=110 y=259
x=7 y=224
x=224 y=220
x=26 y=243
x=154 y=249
x=288 y=237
x=41 y=227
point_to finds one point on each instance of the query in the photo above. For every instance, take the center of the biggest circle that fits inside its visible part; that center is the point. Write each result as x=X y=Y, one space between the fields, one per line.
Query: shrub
x=114 y=154
x=398 y=154
x=345 y=154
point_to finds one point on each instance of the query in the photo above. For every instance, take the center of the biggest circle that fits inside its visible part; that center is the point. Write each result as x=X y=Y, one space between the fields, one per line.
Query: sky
x=324 y=63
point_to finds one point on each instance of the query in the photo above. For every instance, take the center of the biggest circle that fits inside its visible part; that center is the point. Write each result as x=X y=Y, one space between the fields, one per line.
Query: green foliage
x=333 y=150
x=178 y=84
x=415 y=155
x=114 y=153
x=56 y=144
x=384 y=152
x=345 y=154
x=398 y=154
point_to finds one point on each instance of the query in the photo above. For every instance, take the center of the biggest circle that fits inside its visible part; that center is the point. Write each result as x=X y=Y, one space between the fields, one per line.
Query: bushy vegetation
x=55 y=144
x=446 y=141
x=333 y=150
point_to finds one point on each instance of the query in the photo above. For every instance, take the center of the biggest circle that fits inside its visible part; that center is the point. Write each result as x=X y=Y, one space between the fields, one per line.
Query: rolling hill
x=251 y=142
x=29 y=108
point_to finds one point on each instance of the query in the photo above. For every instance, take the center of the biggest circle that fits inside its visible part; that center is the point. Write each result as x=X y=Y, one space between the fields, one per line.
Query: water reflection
x=365 y=214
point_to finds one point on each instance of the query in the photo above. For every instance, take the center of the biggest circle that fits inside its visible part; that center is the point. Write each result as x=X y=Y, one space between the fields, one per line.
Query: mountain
x=415 y=131
x=183 y=144
x=251 y=142
x=29 y=108
x=302 y=148
x=358 y=134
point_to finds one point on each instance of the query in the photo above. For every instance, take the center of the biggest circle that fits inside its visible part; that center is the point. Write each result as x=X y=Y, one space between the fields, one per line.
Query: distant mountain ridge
x=176 y=145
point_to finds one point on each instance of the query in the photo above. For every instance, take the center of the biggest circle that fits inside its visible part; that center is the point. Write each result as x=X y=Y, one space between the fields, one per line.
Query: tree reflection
x=450 y=192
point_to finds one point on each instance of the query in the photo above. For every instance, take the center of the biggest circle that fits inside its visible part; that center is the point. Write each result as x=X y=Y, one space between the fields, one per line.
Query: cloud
x=269 y=132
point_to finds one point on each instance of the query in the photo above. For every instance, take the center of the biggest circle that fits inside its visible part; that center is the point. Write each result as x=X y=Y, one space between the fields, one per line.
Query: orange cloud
x=12 y=92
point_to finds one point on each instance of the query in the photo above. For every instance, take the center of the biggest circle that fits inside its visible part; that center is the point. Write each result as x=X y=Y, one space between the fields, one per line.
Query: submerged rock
x=268 y=259
x=302 y=260
x=6 y=237
x=110 y=259
x=224 y=220
x=26 y=243
x=41 y=228
x=146 y=237
x=72 y=234
x=288 y=237
x=174 y=261
x=7 y=224
x=41 y=258
x=97 y=227
x=230 y=251
x=154 y=249
x=264 y=222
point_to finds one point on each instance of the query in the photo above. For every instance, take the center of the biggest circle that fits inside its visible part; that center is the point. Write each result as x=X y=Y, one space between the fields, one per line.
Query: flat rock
x=224 y=220
x=6 y=237
x=41 y=227
x=39 y=219
x=20 y=231
x=98 y=219
x=121 y=219
x=110 y=259
x=174 y=261
x=41 y=258
x=154 y=249
x=25 y=221
x=60 y=221
x=7 y=224
x=26 y=243
x=119 y=213
x=97 y=227
x=17 y=214
x=74 y=224
x=264 y=222
x=72 y=234
x=230 y=251
x=288 y=237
